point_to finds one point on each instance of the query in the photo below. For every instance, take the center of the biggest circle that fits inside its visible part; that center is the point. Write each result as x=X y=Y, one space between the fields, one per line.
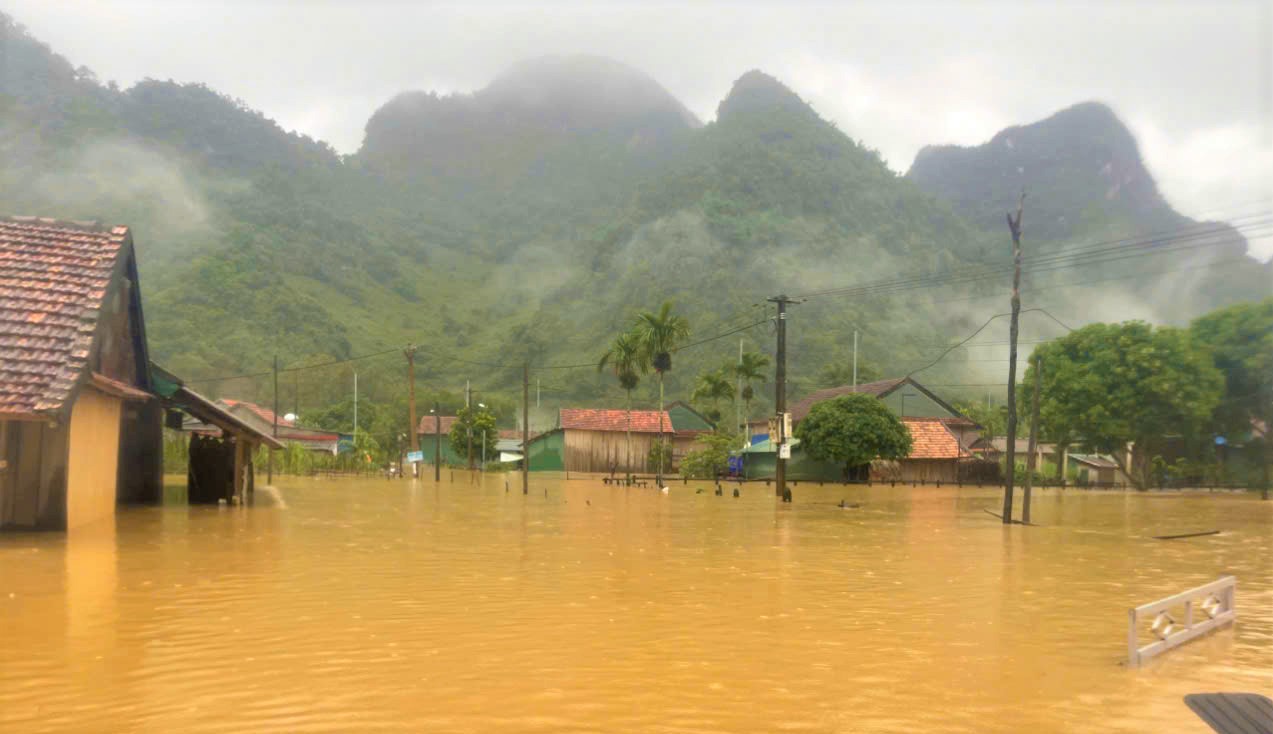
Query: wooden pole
x=780 y=400
x=525 y=428
x=1034 y=441
x=468 y=410
x=437 y=441
x=411 y=428
x=1014 y=226
x=270 y=462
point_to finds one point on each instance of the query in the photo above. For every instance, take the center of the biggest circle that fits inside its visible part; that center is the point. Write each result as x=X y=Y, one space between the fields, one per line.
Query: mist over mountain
x=1087 y=184
x=530 y=219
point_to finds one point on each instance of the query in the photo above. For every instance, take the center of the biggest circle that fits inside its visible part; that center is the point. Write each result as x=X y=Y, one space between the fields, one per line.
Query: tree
x=712 y=459
x=659 y=333
x=853 y=430
x=482 y=423
x=751 y=368
x=835 y=374
x=992 y=419
x=1240 y=341
x=712 y=387
x=1107 y=385
x=625 y=359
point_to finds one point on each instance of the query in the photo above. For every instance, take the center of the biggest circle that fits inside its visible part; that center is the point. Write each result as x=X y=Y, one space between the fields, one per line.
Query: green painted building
x=427 y=435
x=548 y=451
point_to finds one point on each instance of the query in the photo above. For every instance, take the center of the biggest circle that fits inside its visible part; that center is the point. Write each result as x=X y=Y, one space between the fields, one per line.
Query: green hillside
x=525 y=221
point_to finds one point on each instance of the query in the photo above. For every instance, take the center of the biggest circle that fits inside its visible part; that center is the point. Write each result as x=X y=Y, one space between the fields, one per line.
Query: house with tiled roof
x=906 y=397
x=287 y=431
x=604 y=441
x=82 y=407
x=75 y=404
x=934 y=457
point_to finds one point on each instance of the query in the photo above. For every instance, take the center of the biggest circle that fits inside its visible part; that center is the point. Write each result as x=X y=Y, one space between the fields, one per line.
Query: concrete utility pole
x=526 y=425
x=780 y=399
x=468 y=409
x=855 y=360
x=738 y=401
x=1034 y=439
x=415 y=439
x=437 y=441
x=1014 y=226
x=270 y=463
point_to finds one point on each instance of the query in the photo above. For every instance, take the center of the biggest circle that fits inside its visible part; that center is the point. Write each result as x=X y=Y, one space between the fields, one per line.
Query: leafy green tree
x=478 y=422
x=712 y=387
x=659 y=333
x=1107 y=385
x=1240 y=341
x=992 y=419
x=751 y=368
x=853 y=430
x=626 y=360
x=712 y=459
x=660 y=454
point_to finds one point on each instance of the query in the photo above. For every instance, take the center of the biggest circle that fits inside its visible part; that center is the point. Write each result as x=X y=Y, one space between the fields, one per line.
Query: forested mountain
x=529 y=220
x=1086 y=183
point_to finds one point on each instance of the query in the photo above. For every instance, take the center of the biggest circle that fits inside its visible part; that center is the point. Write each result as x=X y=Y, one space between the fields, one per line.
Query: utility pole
x=1034 y=439
x=526 y=424
x=855 y=359
x=355 y=412
x=1014 y=226
x=468 y=410
x=415 y=440
x=780 y=399
x=738 y=401
x=270 y=463
x=537 y=386
x=437 y=441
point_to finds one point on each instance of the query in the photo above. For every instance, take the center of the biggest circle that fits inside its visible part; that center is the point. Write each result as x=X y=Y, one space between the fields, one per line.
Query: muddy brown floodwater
x=378 y=605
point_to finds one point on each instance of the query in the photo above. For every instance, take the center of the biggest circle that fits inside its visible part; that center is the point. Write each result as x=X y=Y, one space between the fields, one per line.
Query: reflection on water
x=378 y=605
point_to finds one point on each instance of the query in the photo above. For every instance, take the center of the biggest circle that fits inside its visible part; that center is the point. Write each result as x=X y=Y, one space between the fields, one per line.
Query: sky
x=1191 y=80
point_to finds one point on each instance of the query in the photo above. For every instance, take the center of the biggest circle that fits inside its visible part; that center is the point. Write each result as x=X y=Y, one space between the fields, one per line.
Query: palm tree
x=711 y=387
x=659 y=334
x=750 y=369
x=625 y=359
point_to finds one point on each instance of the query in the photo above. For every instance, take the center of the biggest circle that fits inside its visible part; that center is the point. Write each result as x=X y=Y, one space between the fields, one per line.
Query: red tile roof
x=428 y=423
x=932 y=440
x=261 y=411
x=595 y=419
x=53 y=280
x=880 y=387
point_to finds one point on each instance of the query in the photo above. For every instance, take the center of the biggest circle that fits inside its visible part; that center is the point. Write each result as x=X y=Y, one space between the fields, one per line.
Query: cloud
x=896 y=76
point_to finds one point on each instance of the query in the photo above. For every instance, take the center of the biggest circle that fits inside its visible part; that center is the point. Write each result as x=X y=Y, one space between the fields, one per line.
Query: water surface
x=376 y=605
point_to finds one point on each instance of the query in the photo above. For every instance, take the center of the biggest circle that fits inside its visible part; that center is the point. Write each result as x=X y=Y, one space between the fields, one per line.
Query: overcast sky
x=1188 y=78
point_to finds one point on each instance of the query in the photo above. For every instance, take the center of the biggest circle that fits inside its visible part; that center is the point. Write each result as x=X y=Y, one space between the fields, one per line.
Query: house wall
x=597 y=451
x=93 y=463
x=926 y=471
x=33 y=480
x=547 y=452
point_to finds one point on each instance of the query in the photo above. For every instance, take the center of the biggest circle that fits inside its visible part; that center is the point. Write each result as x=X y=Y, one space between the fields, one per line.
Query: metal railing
x=1206 y=608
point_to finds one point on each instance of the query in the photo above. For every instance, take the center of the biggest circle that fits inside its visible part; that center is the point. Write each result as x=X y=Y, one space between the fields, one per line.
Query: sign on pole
x=784 y=451
x=415 y=457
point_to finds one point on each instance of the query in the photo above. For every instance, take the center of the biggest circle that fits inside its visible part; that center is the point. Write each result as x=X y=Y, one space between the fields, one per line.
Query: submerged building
x=79 y=431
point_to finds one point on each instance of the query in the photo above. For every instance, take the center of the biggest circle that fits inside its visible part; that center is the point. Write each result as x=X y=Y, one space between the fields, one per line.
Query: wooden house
x=596 y=441
x=79 y=430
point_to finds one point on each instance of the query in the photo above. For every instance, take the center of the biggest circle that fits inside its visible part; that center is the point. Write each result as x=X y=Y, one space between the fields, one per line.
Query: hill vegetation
x=530 y=220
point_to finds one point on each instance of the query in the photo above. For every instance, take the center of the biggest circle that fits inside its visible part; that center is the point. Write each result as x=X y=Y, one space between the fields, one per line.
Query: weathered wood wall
x=598 y=451
x=33 y=484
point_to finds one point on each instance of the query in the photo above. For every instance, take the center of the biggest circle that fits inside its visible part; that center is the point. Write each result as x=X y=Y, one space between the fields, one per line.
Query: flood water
x=377 y=605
